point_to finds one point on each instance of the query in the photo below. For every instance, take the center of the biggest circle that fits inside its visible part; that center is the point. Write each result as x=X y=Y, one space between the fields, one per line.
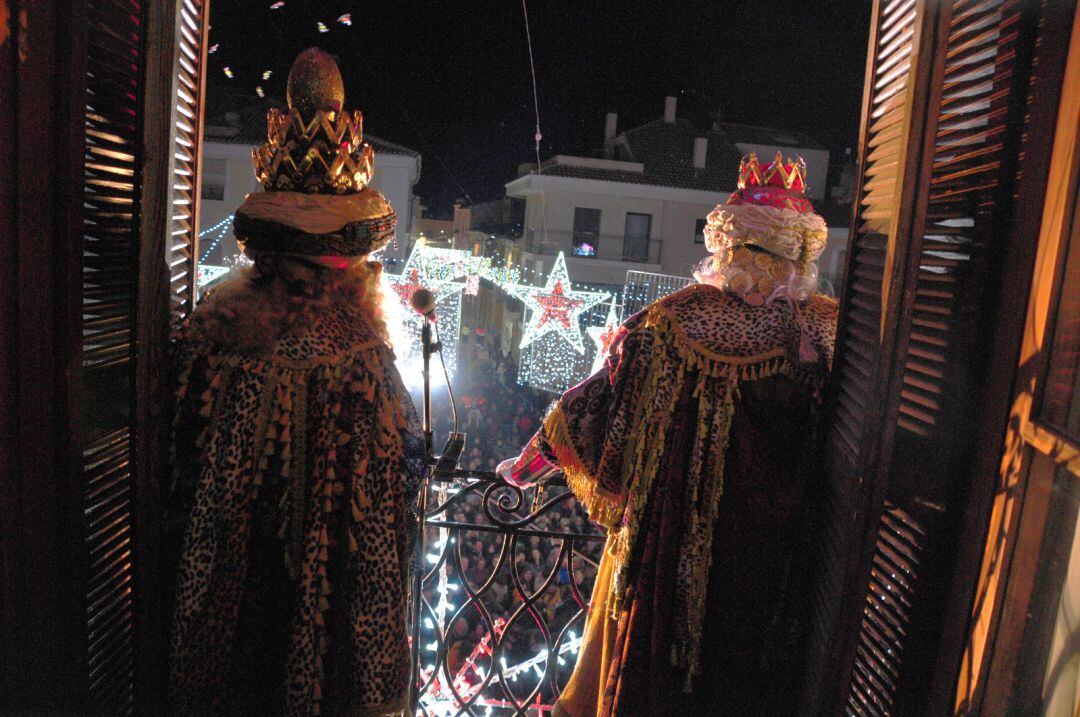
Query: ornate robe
x=694 y=449
x=296 y=467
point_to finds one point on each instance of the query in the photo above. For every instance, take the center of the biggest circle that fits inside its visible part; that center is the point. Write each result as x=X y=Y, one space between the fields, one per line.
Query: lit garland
x=602 y=336
x=437 y=271
x=209 y=273
x=220 y=231
x=553 y=352
x=444 y=689
x=644 y=287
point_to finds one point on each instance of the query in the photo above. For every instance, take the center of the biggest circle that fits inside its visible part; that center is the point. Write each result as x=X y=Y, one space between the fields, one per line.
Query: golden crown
x=314 y=147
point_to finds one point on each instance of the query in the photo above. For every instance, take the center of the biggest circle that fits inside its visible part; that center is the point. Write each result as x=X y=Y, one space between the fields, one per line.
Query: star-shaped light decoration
x=556 y=307
x=414 y=277
x=602 y=336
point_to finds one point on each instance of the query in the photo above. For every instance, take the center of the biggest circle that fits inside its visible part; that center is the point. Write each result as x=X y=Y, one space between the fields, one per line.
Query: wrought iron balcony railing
x=609 y=247
x=505 y=579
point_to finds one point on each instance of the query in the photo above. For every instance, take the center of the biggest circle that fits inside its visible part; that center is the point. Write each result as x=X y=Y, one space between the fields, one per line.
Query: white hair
x=742 y=276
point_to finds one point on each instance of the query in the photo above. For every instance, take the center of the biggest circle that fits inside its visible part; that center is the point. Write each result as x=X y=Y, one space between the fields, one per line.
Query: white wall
x=673 y=222
x=674 y=214
x=239 y=182
x=395 y=176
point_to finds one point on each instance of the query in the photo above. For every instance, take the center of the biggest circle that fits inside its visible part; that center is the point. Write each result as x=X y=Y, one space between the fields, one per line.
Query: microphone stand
x=445 y=466
x=429 y=347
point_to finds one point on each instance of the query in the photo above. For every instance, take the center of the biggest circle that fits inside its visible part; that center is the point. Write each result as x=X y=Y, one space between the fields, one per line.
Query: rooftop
x=661 y=153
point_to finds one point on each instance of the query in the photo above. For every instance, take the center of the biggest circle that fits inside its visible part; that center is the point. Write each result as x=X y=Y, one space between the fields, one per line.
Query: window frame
x=626 y=256
x=579 y=235
x=699 y=230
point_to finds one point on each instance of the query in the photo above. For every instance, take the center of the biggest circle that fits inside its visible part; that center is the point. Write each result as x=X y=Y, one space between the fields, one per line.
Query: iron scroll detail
x=499 y=595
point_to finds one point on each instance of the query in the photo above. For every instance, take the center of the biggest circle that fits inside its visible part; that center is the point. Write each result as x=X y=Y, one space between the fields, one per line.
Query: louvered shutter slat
x=182 y=250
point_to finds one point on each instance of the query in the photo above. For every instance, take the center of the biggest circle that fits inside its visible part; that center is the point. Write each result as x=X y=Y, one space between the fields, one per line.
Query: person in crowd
x=297 y=453
x=693 y=447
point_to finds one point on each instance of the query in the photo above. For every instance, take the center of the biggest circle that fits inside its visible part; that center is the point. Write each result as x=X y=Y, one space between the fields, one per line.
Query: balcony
x=604 y=247
x=504 y=582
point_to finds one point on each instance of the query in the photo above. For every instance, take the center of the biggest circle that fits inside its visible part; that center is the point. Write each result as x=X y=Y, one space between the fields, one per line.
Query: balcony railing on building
x=505 y=579
x=607 y=247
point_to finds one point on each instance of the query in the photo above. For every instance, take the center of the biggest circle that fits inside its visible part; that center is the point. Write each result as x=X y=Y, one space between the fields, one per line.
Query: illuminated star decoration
x=422 y=271
x=602 y=337
x=556 y=307
x=413 y=277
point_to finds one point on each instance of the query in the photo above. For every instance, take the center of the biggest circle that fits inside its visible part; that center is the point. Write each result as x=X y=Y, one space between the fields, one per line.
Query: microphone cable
x=446 y=375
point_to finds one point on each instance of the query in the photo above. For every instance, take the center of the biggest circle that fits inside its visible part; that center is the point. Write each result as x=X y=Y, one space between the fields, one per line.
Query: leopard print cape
x=313 y=445
x=608 y=434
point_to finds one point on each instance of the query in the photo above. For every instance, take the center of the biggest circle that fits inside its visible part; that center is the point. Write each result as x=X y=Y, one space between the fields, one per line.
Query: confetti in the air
x=259 y=92
x=212 y=50
x=346 y=19
x=322 y=27
x=278 y=5
x=266 y=75
x=228 y=72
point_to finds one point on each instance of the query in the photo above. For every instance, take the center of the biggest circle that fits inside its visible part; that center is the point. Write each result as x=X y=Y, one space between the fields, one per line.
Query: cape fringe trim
x=603 y=507
x=675 y=359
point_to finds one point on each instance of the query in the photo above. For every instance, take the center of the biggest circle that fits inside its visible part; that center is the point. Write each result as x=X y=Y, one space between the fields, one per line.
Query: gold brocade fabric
x=295 y=469
x=609 y=435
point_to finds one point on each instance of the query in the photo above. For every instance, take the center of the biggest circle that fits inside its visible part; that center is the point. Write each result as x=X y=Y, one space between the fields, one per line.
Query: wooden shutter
x=897 y=29
x=139 y=276
x=192 y=26
x=944 y=127
x=110 y=243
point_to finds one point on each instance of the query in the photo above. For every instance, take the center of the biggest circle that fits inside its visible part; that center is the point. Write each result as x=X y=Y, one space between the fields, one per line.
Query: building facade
x=642 y=204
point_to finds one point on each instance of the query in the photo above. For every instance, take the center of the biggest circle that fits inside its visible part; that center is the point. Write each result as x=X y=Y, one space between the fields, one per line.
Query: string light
x=556 y=307
x=209 y=273
x=220 y=230
x=553 y=358
x=602 y=337
x=643 y=288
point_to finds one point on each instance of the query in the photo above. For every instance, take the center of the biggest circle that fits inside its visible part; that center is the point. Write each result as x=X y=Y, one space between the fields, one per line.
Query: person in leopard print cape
x=694 y=448
x=297 y=458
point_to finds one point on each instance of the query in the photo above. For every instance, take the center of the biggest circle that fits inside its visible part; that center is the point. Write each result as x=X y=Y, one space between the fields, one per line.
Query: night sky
x=451 y=79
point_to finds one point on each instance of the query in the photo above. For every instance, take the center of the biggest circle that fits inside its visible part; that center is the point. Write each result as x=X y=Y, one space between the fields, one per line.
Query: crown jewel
x=315 y=146
x=790 y=175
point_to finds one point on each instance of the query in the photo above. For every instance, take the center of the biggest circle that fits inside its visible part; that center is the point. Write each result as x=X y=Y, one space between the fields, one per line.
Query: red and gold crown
x=315 y=146
x=790 y=175
x=769 y=210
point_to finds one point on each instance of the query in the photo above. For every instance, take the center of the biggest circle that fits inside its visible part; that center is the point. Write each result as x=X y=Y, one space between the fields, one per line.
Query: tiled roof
x=667 y=150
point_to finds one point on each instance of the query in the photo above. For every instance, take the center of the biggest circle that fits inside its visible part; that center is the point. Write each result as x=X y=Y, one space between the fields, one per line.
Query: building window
x=636 y=237
x=214 y=176
x=586 y=231
x=699 y=231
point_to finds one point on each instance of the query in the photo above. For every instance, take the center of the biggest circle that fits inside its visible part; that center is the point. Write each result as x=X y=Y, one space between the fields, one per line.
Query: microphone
x=423 y=303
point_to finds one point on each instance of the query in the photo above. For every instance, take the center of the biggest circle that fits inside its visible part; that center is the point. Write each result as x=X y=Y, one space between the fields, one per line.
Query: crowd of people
x=499 y=415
